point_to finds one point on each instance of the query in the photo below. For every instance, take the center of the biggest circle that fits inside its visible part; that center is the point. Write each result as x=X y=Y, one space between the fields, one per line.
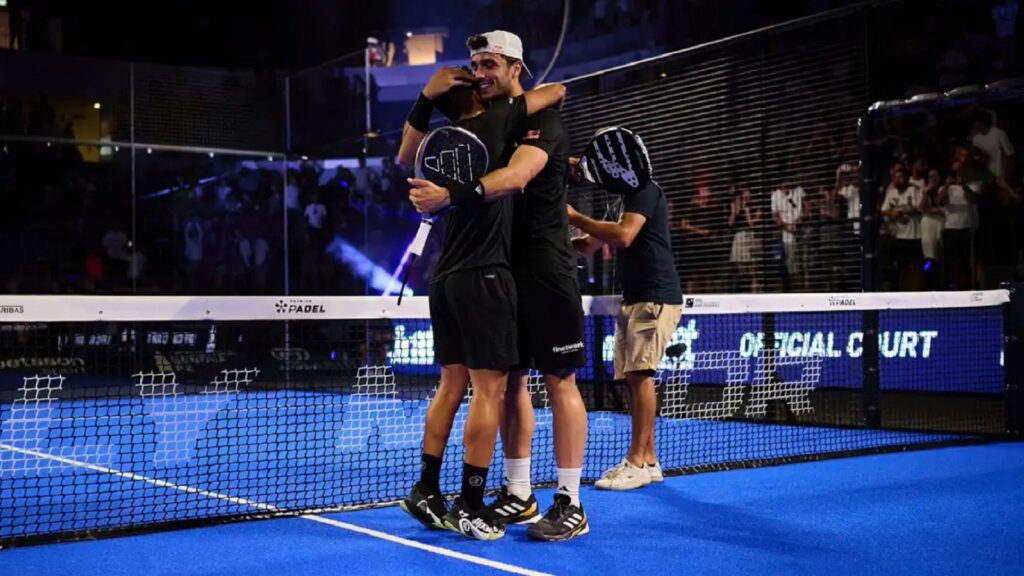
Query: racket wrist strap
x=419 y=116
x=468 y=194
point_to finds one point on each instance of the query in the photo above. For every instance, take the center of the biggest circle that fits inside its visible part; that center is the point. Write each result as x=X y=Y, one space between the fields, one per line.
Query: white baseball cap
x=504 y=43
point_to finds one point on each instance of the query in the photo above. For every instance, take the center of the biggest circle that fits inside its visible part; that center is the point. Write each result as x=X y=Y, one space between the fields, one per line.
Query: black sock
x=474 y=482
x=430 y=473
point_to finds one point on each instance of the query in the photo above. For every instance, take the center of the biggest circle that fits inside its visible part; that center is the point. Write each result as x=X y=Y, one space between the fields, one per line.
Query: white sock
x=517 y=472
x=569 y=483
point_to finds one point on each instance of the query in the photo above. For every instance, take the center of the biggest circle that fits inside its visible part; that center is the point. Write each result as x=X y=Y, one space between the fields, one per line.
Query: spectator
x=253 y=249
x=94 y=267
x=933 y=219
x=706 y=240
x=830 y=231
x=315 y=213
x=787 y=212
x=848 y=187
x=994 y=142
x=919 y=173
x=743 y=220
x=193 y=253
x=291 y=193
x=902 y=209
x=960 y=203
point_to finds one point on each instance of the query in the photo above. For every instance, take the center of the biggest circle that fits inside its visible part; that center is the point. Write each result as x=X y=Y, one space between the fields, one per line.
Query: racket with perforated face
x=616 y=160
x=613 y=165
x=448 y=155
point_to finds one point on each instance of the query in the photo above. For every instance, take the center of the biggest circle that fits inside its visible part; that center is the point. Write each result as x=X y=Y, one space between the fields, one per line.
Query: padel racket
x=446 y=156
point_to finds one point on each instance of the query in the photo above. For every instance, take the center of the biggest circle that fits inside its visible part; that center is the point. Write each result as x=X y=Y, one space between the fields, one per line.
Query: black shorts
x=551 y=332
x=473 y=316
x=907 y=253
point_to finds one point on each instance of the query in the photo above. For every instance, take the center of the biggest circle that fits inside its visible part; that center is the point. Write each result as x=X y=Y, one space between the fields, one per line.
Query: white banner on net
x=30 y=308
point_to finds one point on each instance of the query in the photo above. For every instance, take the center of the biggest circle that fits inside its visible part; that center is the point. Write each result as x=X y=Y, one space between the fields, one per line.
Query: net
x=740 y=131
x=130 y=413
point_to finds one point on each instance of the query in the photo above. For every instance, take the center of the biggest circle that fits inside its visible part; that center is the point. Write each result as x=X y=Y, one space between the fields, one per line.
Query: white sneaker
x=624 y=476
x=657 y=475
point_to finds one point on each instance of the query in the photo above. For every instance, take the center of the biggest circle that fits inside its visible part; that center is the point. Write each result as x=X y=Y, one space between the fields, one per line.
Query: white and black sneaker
x=511 y=509
x=478 y=524
x=561 y=522
x=425 y=505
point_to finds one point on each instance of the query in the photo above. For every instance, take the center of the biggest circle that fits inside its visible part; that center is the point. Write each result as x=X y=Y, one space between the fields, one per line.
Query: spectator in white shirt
x=960 y=203
x=933 y=218
x=787 y=212
x=848 y=186
x=994 y=142
x=919 y=173
x=902 y=209
x=315 y=213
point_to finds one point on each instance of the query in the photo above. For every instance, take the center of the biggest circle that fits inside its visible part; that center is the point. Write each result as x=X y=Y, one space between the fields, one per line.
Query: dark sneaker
x=562 y=521
x=426 y=506
x=479 y=524
x=511 y=509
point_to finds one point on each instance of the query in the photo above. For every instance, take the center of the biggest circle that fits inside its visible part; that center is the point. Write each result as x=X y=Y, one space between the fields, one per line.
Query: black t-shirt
x=540 y=229
x=481 y=235
x=645 y=269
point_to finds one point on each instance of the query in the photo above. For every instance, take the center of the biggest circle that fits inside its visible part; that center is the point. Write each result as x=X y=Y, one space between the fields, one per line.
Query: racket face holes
x=617 y=160
x=451 y=155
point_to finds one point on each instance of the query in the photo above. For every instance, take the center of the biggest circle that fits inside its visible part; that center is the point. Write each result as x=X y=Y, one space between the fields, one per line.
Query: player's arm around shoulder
x=526 y=163
x=544 y=96
x=417 y=123
x=539 y=136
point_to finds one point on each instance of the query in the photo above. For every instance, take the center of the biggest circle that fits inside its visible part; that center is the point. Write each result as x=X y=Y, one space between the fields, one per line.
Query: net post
x=1013 y=359
x=868 y=202
x=871 y=393
x=769 y=355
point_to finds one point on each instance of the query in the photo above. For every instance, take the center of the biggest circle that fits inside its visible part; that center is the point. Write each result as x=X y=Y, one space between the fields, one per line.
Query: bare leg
x=643 y=405
x=484 y=416
x=442 y=409
x=517 y=419
x=570 y=420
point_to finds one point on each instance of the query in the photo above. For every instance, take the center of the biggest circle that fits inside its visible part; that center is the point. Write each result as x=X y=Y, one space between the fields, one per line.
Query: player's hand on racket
x=575 y=175
x=445 y=79
x=428 y=197
x=574 y=215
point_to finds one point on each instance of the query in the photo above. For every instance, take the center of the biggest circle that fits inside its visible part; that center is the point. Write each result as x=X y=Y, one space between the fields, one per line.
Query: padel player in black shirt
x=550 y=312
x=551 y=335
x=472 y=308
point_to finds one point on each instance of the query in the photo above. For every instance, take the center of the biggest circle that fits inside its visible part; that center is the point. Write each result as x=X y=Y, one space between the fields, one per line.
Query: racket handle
x=421 y=237
x=405 y=279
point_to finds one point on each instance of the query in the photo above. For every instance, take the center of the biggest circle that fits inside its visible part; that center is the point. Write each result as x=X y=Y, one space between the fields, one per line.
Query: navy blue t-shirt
x=646 y=269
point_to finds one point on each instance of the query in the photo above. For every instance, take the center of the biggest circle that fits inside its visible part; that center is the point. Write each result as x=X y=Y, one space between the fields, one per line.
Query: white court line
x=269 y=508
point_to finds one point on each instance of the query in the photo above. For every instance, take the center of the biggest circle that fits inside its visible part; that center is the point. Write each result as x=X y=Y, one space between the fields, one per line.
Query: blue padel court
x=956 y=511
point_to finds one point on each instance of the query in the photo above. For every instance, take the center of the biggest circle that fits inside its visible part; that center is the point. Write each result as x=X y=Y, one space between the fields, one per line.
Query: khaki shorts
x=642 y=333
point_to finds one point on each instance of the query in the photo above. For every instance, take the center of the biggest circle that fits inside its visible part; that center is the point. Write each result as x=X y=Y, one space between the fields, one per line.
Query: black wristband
x=419 y=116
x=466 y=194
